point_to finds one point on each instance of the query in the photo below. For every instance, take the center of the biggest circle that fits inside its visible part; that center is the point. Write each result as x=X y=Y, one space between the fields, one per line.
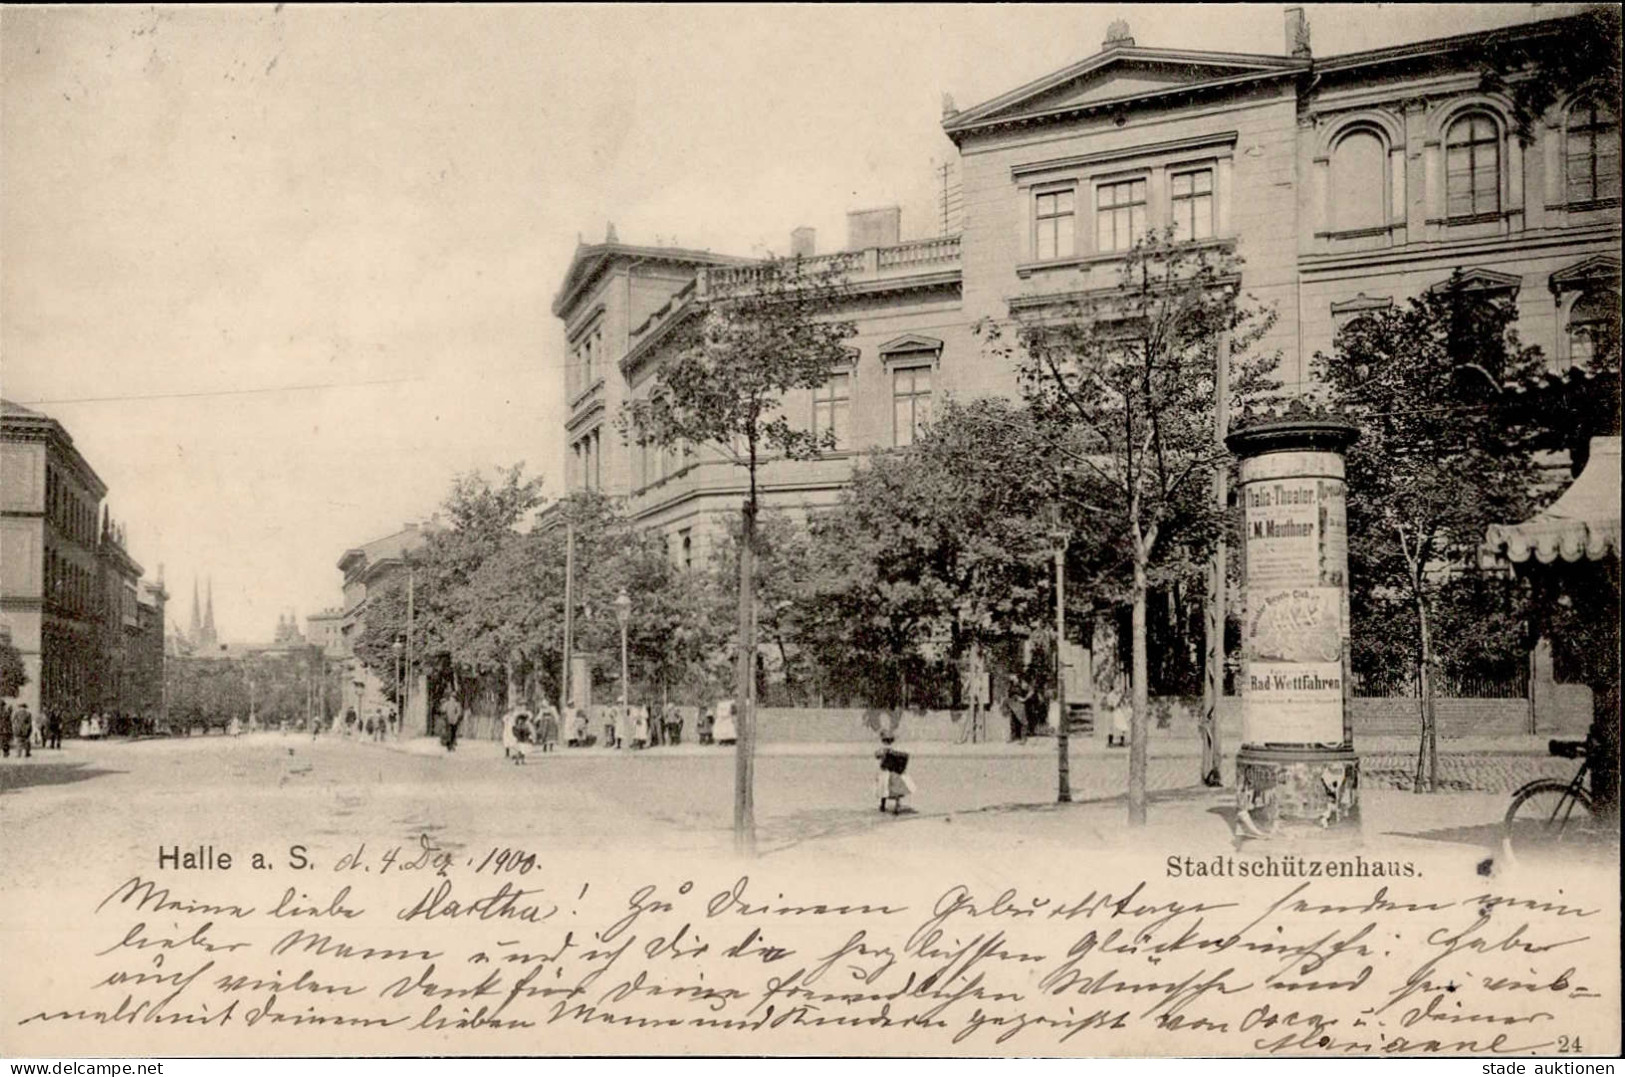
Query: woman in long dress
x=891 y=783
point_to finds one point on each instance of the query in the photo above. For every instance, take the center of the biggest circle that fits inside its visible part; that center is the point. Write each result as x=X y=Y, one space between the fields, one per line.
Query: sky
x=284 y=272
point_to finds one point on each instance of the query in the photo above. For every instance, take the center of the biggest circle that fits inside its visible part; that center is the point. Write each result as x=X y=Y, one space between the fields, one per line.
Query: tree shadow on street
x=783 y=833
x=27 y=774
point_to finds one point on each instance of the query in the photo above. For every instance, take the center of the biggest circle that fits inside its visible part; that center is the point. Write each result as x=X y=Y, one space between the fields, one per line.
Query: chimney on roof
x=867 y=228
x=1297 y=33
x=803 y=242
x=1118 y=36
x=949 y=109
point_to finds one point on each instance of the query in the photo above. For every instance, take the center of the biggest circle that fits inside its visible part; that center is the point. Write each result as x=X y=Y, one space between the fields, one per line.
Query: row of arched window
x=1474 y=166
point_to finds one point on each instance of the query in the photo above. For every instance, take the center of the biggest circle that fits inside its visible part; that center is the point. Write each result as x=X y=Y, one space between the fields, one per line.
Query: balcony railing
x=919 y=252
x=874 y=264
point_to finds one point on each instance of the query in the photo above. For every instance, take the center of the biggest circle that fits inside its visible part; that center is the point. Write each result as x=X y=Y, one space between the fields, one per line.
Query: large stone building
x=70 y=592
x=621 y=306
x=1347 y=184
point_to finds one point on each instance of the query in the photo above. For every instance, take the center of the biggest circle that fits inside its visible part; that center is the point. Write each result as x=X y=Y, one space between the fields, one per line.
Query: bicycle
x=1549 y=811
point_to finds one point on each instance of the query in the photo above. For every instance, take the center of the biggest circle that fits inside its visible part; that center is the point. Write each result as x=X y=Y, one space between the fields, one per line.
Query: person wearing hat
x=22 y=726
x=5 y=729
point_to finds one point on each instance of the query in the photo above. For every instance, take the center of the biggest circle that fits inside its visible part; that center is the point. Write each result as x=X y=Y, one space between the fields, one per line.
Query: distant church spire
x=197 y=620
x=208 y=614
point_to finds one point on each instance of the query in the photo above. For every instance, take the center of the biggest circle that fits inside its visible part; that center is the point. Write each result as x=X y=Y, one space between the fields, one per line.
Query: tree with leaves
x=452 y=637
x=1577 y=58
x=764 y=331
x=13 y=674
x=934 y=550
x=1127 y=378
x=1442 y=453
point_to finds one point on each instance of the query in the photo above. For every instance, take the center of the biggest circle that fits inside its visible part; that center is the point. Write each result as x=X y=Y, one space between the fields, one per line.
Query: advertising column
x=1296 y=768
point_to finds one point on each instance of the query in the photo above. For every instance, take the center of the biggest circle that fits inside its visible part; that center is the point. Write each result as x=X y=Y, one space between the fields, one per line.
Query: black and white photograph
x=875 y=531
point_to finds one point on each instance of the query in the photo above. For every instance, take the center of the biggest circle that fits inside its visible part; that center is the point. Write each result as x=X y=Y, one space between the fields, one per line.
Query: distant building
x=69 y=589
x=367 y=569
x=326 y=630
x=287 y=631
x=202 y=637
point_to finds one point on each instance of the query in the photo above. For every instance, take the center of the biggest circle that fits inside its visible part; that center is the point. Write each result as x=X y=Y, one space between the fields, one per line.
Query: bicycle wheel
x=1548 y=813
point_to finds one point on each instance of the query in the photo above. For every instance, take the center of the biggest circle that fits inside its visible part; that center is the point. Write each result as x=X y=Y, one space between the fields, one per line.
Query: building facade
x=912 y=346
x=324 y=630
x=1346 y=185
x=366 y=569
x=70 y=592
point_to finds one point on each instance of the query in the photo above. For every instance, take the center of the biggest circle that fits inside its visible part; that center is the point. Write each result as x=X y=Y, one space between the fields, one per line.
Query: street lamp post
x=623 y=614
x=399 y=647
x=1059 y=536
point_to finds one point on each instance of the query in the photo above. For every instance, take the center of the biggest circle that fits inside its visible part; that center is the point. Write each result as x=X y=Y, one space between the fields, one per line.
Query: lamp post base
x=1297 y=792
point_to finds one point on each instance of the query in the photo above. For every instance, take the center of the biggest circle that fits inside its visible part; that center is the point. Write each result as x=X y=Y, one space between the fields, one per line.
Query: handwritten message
x=413 y=949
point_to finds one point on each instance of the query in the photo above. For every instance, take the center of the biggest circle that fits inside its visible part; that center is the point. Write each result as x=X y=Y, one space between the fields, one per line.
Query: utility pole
x=1063 y=758
x=1213 y=680
x=411 y=584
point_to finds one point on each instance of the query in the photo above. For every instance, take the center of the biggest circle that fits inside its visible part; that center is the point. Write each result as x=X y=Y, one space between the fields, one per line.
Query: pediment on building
x=1484 y=280
x=910 y=343
x=591 y=259
x=1598 y=269
x=1119 y=77
x=1362 y=304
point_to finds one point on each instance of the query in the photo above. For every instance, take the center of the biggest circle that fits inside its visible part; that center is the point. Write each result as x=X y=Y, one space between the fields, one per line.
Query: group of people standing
x=20 y=728
x=523 y=730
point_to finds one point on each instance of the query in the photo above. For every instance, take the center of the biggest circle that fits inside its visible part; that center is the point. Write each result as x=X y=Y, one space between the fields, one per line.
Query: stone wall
x=1566 y=712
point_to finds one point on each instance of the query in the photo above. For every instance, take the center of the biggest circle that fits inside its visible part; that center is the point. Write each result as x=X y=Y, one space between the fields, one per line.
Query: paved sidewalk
x=1376 y=748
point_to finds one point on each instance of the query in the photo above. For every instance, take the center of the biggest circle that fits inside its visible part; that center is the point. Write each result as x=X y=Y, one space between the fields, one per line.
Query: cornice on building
x=1239 y=69
x=18 y=423
x=590 y=262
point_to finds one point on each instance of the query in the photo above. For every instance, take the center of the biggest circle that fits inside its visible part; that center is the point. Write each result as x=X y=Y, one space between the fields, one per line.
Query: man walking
x=22 y=724
x=454 y=718
x=53 y=730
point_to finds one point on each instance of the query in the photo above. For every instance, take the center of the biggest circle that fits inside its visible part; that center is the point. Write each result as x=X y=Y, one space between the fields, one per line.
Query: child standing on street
x=891 y=782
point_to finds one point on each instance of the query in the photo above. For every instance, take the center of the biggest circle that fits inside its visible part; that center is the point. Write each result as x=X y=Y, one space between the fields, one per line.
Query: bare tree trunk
x=1138 y=731
x=1427 y=754
x=1429 y=704
x=744 y=683
x=1063 y=747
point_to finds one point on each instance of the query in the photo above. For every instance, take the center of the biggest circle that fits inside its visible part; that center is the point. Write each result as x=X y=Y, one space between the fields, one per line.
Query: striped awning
x=1582 y=523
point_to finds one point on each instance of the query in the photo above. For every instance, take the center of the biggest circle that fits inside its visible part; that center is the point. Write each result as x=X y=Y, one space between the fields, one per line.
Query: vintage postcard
x=919 y=530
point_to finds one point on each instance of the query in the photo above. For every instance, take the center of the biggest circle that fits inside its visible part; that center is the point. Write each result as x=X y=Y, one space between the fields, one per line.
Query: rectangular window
x=1593 y=155
x=832 y=402
x=1119 y=214
x=1473 y=167
x=911 y=403
x=1192 y=196
x=1055 y=217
